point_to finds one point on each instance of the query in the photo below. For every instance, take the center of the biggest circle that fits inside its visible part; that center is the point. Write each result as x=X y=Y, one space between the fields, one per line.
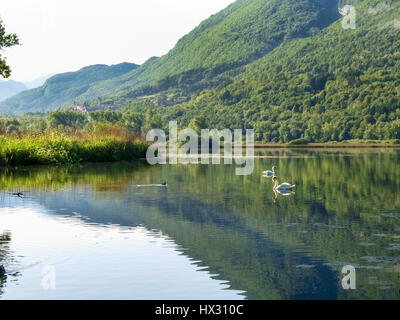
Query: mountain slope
x=337 y=85
x=10 y=88
x=211 y=54
x=62 y=88
x=243 y=32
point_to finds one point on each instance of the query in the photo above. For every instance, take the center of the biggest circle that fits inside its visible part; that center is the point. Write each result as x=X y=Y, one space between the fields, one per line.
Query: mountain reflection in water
x=209 y=234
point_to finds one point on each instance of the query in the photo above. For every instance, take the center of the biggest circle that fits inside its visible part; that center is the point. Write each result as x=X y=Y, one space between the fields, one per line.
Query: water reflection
x=5 y=238
x=95 y=261
x=284 y=193
x=267 y=245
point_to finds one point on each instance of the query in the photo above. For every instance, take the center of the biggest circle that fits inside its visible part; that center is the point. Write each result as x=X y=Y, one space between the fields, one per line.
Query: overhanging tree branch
x=6 y=41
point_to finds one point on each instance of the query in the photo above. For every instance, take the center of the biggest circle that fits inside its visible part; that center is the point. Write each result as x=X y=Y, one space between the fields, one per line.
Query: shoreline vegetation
x=67 y=137
x=335 y=144
x=60 y=148
x=68 y=149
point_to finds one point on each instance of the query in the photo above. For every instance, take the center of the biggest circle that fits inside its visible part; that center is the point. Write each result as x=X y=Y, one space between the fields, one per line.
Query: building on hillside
x=80 y=109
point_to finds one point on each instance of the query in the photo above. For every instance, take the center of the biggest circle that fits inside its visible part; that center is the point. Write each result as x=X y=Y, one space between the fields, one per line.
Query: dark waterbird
x=2 y=271
x=18 y=194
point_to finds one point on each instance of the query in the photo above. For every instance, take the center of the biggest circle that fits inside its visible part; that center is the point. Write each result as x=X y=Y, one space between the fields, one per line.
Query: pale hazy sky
x=65 y=35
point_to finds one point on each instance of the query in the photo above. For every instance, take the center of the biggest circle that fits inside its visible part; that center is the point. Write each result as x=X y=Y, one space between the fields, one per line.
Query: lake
x=111 y=231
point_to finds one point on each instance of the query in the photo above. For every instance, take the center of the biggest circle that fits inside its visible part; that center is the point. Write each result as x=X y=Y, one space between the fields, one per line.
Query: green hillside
x=215 y=50
x=337 y=85
x=62 y=88
x=209 y=55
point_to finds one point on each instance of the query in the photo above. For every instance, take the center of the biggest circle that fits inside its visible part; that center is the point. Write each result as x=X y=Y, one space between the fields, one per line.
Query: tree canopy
x=6 y=40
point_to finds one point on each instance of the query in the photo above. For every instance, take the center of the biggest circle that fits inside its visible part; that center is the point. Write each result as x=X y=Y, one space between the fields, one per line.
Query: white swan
x=269 y=173
x=283 y=186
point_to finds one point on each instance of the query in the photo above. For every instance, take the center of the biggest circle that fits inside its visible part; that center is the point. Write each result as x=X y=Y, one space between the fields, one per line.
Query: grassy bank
x=62 y=149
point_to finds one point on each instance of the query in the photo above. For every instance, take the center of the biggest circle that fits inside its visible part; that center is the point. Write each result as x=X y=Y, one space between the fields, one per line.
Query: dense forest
x=287 y=68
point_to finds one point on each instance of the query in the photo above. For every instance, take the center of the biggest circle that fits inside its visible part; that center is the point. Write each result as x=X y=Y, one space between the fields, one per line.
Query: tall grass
x=57 y=148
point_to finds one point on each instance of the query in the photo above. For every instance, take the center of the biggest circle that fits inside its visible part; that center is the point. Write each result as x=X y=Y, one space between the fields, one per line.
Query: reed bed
x=57 y=148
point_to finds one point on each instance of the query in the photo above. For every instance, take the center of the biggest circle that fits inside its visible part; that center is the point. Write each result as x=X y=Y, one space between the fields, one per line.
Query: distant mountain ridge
x=10 y=88
x=37 y=82
x=62 y=88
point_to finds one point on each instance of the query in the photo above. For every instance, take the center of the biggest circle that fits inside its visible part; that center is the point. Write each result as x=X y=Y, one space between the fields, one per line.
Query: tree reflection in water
x=5 y=239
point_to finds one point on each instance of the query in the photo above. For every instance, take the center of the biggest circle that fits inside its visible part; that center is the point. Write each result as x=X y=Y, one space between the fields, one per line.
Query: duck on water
x=2 y=271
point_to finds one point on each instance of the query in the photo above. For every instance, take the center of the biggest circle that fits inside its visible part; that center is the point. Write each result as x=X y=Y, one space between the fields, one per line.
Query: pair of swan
x=281 y=188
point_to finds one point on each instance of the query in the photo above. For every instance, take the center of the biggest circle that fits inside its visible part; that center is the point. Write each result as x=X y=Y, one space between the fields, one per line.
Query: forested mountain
x=209 y=55
x=215 y=50
x=10 y=88
x=62 y=88
x=286 y=68
x=337 y=85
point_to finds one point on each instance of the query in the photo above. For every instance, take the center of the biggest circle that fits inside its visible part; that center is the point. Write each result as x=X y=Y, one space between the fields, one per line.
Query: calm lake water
x=108 y=231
